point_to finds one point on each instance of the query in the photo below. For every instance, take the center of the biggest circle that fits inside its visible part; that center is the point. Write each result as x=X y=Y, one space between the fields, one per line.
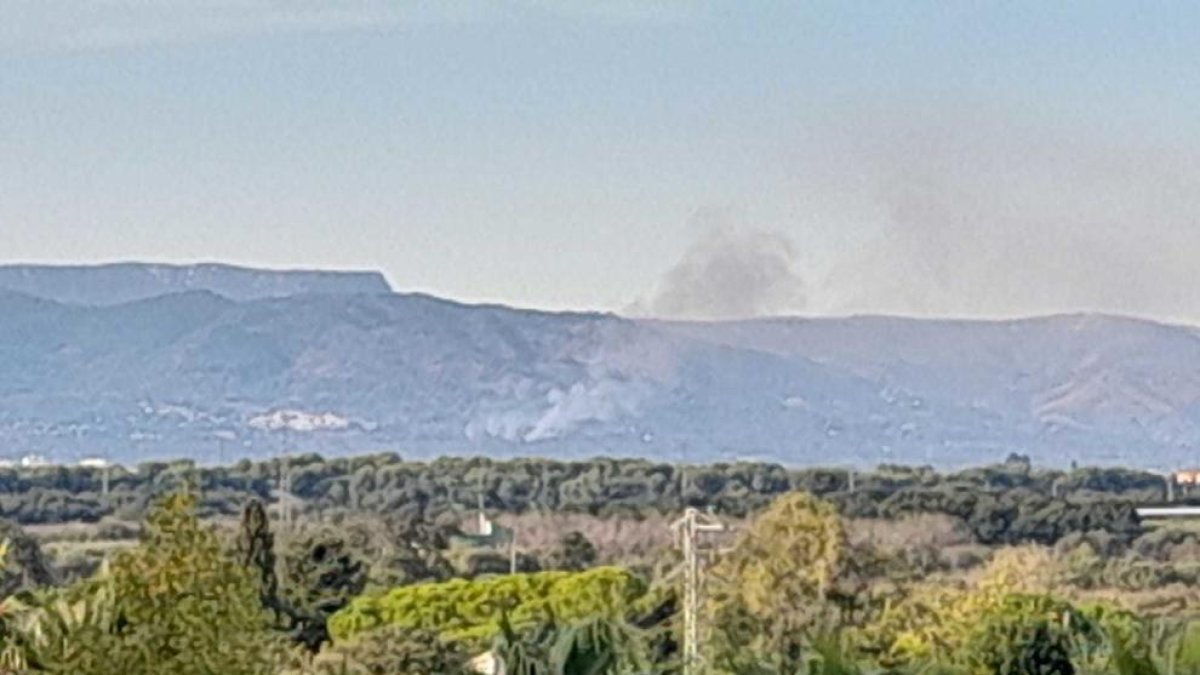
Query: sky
x=691 y=159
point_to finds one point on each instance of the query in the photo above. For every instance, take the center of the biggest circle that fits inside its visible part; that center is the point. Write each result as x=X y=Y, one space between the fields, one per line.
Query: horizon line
x=598 y=311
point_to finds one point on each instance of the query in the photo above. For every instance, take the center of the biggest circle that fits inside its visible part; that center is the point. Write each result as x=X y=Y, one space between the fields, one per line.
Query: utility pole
x=223 y=437
x=512 y=551
x=284 y=487
x=285 y=491
x=683 y=472
x=689 y=531
x=105 y=465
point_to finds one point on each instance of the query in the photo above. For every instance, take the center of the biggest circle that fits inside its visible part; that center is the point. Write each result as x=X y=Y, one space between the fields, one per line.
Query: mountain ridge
x=411 y=372
x=121 y=282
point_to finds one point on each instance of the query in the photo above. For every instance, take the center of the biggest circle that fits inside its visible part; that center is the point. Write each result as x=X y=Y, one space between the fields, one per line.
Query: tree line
x=1004 y=503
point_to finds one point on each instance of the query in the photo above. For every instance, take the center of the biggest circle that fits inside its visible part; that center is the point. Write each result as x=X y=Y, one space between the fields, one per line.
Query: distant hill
x=192 y=373
x=1086 y=387
x=128 y=282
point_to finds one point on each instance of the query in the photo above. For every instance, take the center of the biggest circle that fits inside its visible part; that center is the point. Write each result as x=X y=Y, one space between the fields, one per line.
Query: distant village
x=33 y=461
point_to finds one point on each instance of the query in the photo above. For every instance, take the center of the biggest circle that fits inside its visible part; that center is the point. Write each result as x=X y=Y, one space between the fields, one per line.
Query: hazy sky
x=678 y=158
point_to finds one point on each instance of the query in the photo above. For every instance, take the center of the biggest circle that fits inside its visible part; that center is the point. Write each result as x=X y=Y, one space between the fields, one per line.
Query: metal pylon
x=688 y=532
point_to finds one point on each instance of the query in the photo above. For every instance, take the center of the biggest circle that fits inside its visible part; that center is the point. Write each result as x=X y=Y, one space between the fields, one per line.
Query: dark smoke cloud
x=728 y=272
x=954 y=213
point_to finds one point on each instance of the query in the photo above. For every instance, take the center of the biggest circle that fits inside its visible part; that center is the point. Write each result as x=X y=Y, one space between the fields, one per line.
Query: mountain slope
x=1129 y=385
x=181 y=373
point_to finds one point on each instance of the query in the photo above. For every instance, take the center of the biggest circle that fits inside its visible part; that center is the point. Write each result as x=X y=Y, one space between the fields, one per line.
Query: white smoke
x=617 y=367
x=560 y=411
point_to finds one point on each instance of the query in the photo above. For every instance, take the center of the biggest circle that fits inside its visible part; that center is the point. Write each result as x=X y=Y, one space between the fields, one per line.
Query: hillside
x=1127 y=385
x=192 y=373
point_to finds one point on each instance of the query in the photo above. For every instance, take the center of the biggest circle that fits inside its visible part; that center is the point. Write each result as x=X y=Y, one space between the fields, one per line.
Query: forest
x=376 y=565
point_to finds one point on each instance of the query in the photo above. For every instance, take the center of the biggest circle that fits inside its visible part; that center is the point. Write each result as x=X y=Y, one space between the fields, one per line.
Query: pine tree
x=256 y=552
x=321 y=575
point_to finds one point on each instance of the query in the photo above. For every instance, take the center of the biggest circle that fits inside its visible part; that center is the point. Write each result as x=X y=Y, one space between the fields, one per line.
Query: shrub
x=471 y=610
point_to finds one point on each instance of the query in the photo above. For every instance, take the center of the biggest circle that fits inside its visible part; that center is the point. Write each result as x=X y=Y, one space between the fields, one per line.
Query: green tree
x=1022 y=635
x=574 y=553
x=320 y=576
x=790 y=579
x=176 y=604
x=256 y=552
x=25 y=566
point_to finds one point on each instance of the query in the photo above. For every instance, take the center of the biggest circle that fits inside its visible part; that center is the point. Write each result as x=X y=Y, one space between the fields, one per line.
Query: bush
x=1021 y=635
x=394 y=651
x=471 y=610
x=573 y=553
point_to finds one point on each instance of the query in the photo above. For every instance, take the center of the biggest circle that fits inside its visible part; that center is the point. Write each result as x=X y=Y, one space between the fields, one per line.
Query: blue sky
x=954 y=158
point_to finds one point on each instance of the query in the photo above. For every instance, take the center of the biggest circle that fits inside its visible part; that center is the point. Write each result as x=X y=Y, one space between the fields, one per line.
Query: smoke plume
x=988 y=217
x=728 y=272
